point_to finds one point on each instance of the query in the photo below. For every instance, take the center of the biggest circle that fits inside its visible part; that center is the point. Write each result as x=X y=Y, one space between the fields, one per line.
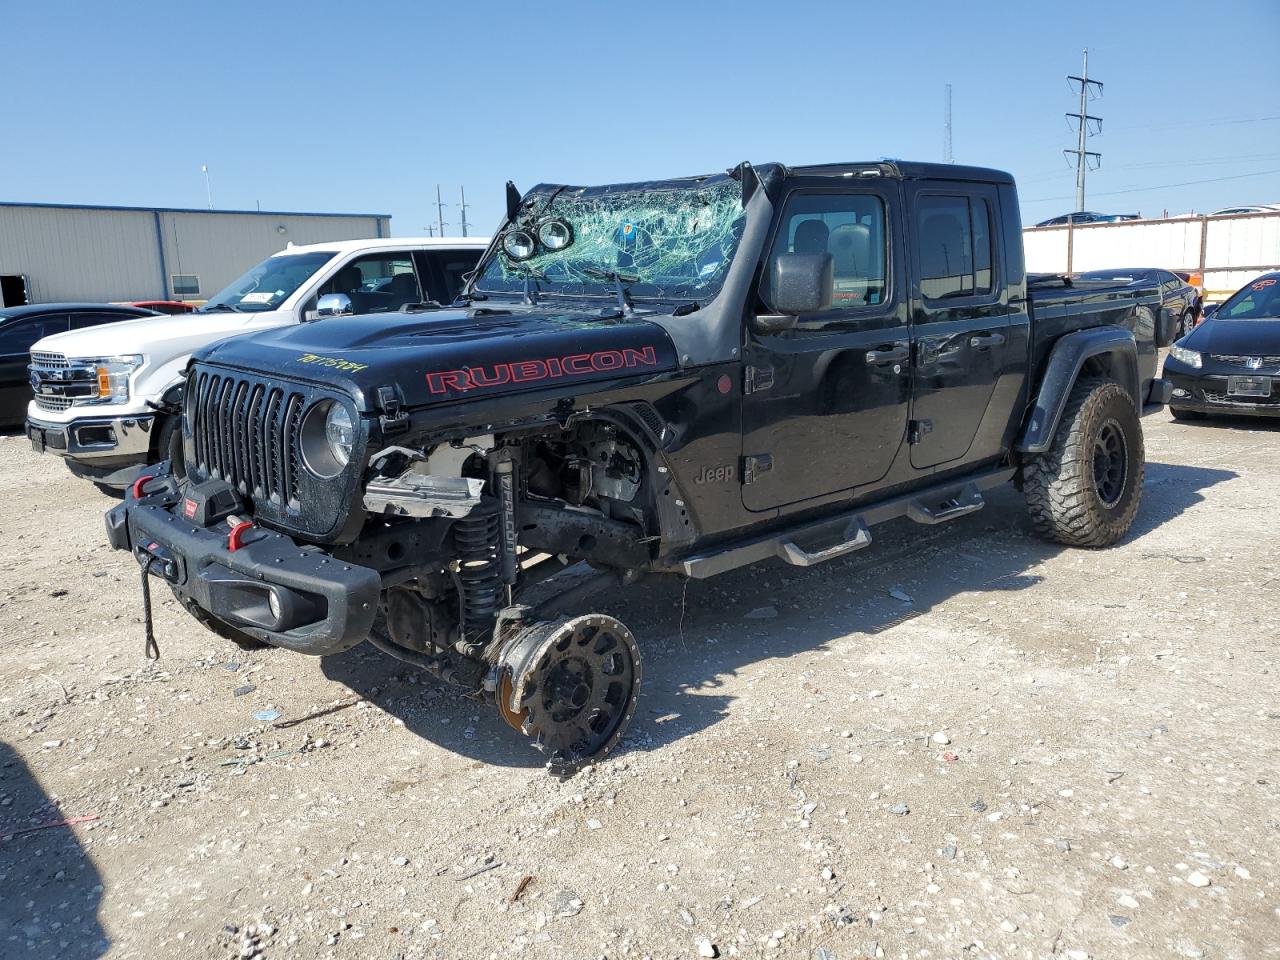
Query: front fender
x=1068 y=357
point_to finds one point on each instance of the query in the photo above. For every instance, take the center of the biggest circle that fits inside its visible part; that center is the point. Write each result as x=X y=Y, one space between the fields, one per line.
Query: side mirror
x=334 y=305
x=800 y=283
x=1208 y=310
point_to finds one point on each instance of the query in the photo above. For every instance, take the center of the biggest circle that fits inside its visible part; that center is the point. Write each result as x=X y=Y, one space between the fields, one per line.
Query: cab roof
x=903 y=170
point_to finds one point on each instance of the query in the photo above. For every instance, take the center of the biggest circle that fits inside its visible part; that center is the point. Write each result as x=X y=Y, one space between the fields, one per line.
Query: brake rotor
x=574 y=684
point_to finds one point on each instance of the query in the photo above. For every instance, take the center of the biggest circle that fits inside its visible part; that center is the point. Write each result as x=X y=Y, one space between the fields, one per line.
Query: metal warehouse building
x=58 y=252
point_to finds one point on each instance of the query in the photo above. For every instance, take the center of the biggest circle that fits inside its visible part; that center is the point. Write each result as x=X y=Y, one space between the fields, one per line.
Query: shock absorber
x=476 y=542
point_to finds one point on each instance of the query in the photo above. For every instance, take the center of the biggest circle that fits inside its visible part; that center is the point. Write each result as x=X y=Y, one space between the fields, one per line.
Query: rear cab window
x=954 y=246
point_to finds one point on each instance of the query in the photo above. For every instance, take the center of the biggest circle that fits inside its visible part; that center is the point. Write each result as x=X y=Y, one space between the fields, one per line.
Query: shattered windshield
x=665 y=242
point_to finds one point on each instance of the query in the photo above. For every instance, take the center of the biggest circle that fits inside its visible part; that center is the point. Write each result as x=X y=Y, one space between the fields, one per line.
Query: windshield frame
x=231 y=296
x=497 y=275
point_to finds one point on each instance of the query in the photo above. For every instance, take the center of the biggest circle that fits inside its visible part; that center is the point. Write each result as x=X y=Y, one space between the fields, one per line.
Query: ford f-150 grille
x=246 y=432
x=52 y=360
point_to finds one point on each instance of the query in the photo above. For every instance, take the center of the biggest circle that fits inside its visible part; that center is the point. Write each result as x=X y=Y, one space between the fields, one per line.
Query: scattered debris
x=899 y=595
x=68 y=822
x=761 y=613
x=267 y=716
x=521 y=887
x=241 y=691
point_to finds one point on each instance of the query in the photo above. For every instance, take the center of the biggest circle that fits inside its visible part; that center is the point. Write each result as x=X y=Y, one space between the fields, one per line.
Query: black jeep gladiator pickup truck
x=680 y=376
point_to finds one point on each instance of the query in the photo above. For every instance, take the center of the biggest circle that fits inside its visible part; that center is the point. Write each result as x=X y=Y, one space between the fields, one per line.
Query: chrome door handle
x=984 y=340
x=895 y=355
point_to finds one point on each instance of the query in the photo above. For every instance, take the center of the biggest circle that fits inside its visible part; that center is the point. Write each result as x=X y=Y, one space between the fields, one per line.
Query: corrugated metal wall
x=70 y=254
x=1229 y=250
x=73 y=253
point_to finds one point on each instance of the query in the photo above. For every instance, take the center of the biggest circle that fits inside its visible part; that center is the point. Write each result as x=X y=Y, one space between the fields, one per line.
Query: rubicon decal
x=548 y=368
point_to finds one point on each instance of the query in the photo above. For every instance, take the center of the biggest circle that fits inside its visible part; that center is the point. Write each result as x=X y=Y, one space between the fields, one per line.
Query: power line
x=1165 y=186
x=1082 y=127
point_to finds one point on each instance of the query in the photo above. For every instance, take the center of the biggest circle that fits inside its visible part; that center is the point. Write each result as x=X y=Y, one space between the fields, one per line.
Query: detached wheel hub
x=572 y=686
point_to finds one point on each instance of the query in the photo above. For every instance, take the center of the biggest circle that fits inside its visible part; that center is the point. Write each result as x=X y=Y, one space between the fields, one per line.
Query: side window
x=451 y=267
x=852 y=228
x=953 y=246
x=377 y=283
x=17 y=338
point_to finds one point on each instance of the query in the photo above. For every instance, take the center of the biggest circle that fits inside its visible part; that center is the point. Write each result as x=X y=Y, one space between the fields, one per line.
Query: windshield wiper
x=618 y=279
x=531 y=278
x=215 y=307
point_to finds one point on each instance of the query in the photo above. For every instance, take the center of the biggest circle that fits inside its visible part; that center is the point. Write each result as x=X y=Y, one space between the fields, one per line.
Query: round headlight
x=326 y=439
x=519 y=245
x=555 y=234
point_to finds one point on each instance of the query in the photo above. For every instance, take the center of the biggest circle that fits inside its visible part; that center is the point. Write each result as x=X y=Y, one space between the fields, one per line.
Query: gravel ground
x=962 y=742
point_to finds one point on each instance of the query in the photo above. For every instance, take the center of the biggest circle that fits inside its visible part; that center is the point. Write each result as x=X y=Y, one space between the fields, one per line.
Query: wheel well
x=1113 y=366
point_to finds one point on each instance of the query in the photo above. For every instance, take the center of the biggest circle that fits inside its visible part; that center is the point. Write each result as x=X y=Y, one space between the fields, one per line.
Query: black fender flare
x=1062 y=370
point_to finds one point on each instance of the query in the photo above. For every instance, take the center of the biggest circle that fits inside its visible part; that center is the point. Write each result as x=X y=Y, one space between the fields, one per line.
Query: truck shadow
x=52 y=891
x=697 y=635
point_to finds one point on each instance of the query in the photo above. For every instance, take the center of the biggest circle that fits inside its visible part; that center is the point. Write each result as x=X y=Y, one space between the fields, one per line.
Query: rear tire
x=1186 y=324
x=1085 y=489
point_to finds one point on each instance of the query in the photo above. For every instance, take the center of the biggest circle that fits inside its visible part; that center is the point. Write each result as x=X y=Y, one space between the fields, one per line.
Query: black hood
x=1236 y=338
x=449 y=355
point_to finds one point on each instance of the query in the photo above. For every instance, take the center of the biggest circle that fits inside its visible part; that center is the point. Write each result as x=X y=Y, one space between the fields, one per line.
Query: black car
x=1180 y=300
x=20 y=327
x=1231 y=362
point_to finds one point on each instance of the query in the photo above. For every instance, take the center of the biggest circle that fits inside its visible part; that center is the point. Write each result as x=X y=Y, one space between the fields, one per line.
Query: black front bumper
x=323 y=605
x=1209 y=394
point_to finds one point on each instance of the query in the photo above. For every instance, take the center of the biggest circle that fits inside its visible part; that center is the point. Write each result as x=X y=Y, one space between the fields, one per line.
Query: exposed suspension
x=476 y=541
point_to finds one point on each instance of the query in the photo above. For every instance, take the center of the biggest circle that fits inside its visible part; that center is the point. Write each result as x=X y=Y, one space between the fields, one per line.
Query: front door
x=960 y=319
x=825 y=403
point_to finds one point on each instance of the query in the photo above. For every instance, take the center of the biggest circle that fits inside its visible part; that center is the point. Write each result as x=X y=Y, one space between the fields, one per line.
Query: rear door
x=960 y=319
x=825 y=403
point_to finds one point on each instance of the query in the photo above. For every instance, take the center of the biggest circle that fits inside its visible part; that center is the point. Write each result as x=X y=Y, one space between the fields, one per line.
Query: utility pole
x=204 y=168
x=462 y=191
x=946 y=131
x=1082 y=129
x=440 y=209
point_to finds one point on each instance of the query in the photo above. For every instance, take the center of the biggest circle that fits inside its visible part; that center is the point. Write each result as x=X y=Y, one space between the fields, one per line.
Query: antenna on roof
x=946 y=131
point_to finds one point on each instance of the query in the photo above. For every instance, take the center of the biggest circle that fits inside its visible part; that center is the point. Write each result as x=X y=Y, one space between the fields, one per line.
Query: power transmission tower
x=462 y=191
x=440 y=205
x=1083 y=119
x=946 y=131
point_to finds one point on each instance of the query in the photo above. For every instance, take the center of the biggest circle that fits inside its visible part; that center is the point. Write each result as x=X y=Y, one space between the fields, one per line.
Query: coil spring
x=475 y=539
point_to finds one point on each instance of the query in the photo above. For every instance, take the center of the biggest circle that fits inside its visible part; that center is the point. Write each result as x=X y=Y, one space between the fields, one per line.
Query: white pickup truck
x=106 y=399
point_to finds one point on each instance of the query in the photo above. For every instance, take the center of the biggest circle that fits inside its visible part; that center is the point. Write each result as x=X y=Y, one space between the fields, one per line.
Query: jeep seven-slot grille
x=246 y=433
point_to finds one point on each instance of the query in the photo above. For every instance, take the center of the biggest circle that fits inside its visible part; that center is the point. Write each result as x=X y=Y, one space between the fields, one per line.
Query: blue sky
x=366 y=107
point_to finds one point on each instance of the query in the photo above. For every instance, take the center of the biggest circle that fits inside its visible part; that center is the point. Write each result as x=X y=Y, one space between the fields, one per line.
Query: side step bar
x=851 y=531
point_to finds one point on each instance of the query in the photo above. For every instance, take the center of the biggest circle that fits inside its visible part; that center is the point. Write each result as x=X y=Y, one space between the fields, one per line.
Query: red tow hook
x=235 y=539
x=140 y=484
